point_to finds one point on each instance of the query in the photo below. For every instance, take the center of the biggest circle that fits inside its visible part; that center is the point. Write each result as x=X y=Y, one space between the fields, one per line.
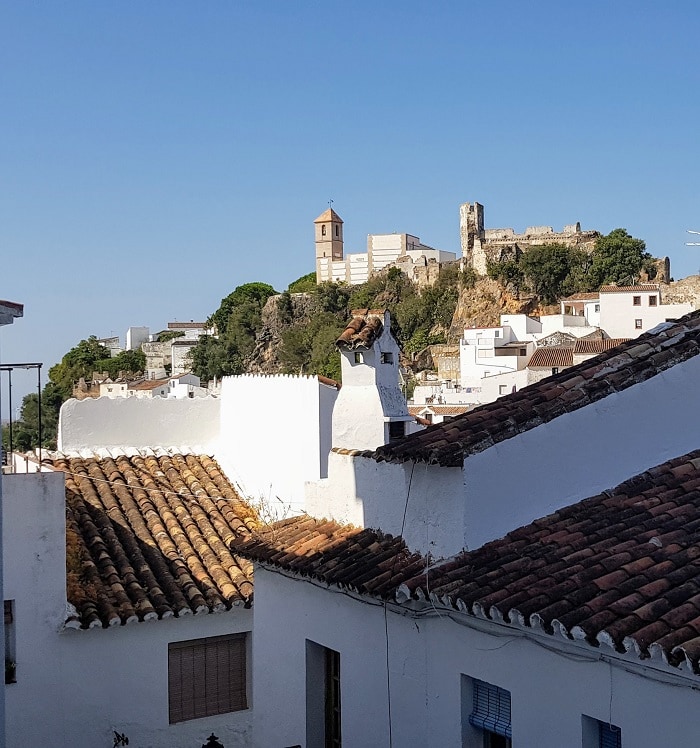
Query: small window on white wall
x=486 y=718
x=357 y=358
x=387 y=357
x=600 y=734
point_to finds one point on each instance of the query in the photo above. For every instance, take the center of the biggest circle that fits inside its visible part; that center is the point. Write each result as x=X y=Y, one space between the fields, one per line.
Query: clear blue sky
x=156 y=155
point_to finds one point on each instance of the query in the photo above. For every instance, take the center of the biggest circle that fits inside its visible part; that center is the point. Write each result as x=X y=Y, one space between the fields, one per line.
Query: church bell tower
x=328 y=229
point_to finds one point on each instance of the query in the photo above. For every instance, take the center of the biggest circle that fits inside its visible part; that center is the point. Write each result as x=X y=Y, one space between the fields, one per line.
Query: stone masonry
x=481 y=246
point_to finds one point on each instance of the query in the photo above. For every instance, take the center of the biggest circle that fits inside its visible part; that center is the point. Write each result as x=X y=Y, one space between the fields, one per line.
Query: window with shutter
x=207 y=677
x=491 y=713
x=609 y=736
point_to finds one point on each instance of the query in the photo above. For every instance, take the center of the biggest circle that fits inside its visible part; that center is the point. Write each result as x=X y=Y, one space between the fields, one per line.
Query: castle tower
x=328 y=229
x=471 y=230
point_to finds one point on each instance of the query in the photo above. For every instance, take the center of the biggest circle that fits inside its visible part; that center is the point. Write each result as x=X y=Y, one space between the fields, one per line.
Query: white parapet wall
x=191 y=423
x=275 y=436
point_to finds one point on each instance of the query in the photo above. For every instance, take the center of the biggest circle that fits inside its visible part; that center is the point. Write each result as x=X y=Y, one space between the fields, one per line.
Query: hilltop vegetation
x=261 y=330
x=82 y=360
x=553 y=271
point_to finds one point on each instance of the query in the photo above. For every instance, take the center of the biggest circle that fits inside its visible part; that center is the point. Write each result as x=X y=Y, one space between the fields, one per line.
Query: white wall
x=135 y=336
x=136 y=422
x=618 y=313
x=581 y=453
x=525 y=477
x=275 y=435
x=552 y=682
x=423 y=504
x=74 y=688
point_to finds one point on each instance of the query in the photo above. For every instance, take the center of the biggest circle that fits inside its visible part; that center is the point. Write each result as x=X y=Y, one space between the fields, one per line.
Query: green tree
x=305 y=284
x=237 y=321
x=618 y=258
x=80 y=361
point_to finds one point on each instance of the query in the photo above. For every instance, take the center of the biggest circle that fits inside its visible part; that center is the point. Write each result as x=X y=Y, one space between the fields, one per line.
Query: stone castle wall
x=481 y=247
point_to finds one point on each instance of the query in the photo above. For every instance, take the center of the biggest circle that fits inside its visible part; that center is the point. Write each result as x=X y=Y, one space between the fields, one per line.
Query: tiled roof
x=362 y=330
x=596 y=345
x=642 y=287
x=187 y=325
x=621 y=568
x=329 y=215
x=149 y=536
x=364 y=560
x=551 y=355
x=149 y=384
x=584 y=296
x=612 y=371
x=440 y=410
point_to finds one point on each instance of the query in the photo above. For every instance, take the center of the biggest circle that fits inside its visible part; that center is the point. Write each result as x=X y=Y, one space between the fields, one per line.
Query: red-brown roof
x=612 y=371
x=621 y=568
x=596 y=345
x=584 y=296
x=440 y=410
x=641 y=288
x=549 y=356
x=149 y=536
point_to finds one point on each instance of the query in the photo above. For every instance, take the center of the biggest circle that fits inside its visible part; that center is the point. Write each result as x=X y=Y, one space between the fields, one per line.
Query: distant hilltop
x=480 y=248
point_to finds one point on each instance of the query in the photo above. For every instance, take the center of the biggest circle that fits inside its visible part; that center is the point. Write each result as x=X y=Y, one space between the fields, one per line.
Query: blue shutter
x=491 y=709
x=610 y=736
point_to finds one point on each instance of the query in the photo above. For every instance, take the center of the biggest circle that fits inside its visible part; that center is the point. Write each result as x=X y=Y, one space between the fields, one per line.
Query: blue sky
x=156 y=155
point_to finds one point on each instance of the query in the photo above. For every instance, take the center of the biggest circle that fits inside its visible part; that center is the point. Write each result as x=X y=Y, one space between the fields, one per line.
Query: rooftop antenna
x=692 y=244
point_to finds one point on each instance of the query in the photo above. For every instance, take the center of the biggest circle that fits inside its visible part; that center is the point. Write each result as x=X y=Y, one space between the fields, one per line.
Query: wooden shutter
x=491 y=709
x=206 y=677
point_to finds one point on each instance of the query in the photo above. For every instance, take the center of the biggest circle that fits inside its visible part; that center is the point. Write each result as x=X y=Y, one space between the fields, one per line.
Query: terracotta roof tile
x=625 y=585
x=550 y=355
x=642 y=287
x=149 y=537
x=579 y=385
x=362 y=330
x=596 y=345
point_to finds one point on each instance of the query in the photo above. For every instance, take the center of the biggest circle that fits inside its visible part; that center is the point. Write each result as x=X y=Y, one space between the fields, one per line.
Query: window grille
x=610 y=736
x=491 y=709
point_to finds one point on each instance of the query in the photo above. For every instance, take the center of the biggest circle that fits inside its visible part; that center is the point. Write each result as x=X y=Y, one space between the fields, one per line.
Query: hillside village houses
x=438 y=587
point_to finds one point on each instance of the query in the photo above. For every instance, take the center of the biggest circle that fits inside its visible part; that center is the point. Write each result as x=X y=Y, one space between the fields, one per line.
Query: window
x=357 y=357
x=555 y=370
x=10 y=656
x=636 y=301
x=609 y=736
x=502 y=389
x=638 y=324
x=600 y=734
x=523 y=352
x=323 y=697
x=652 y=301
x=397 y=429
x=323 y=230
x=497 y=334
x=490 y=713
x=387 y=357
x=337 y=232
x=597 y=307
x=206 y=677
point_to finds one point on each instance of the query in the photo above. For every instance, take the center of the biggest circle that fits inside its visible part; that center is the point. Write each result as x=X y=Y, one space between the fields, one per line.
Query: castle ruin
x=482 y=247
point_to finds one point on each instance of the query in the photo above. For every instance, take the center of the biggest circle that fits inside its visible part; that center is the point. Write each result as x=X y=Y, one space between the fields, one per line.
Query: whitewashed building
x=628 y=311
x=383 y=250
x=492 y=599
